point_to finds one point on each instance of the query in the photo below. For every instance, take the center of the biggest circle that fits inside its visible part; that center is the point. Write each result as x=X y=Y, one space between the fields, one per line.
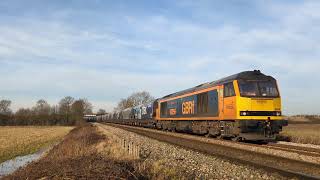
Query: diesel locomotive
x=244 y=106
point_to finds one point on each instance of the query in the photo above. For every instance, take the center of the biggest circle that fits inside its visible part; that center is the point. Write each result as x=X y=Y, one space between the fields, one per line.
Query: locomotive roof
x=245 y=75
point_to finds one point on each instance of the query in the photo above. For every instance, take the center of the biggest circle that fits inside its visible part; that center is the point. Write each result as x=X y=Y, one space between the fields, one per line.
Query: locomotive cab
x=258 y=99
x=257 y=106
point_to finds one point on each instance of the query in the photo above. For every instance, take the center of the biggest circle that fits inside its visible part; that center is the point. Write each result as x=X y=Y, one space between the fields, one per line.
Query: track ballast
x=268 y=162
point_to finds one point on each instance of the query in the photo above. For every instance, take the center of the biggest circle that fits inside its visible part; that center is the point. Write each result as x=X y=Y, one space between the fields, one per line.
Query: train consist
x=244 y=106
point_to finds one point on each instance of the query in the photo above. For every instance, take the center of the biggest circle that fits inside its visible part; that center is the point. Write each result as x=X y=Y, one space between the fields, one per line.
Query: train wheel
x=173 y=129
x=237 y=139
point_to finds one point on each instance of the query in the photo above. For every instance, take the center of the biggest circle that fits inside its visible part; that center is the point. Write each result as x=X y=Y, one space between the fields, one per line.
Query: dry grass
x=112 y=147
x=17 y=141
x=142 y=165
x=160 y=170
x=302 y=133
x=86 y=153
x=77 y=157
x=304 y=119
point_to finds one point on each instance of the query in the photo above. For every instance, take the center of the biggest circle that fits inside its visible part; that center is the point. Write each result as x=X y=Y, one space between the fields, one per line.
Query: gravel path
x=191 y=163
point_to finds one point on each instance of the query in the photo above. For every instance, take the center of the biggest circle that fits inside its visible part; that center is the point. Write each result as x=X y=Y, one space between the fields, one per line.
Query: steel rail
x=293 y=149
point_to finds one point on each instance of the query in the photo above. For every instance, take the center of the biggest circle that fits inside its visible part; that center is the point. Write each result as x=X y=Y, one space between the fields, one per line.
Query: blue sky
x=105 y=50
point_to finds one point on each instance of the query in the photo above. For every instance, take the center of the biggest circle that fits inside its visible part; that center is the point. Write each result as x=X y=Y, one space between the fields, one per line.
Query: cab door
x=229 y=101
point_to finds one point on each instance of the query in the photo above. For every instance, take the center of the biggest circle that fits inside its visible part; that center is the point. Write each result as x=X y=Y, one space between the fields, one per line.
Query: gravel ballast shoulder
x=192 y=163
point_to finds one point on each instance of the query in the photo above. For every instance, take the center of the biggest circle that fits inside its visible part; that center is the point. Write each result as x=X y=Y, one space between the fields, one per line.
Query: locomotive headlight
x=243 y=113
x=278 y=113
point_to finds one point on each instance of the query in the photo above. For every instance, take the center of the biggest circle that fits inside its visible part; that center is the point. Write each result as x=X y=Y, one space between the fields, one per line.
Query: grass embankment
x=18 y=141
x=143 y=165
x=78 y=157
x=87 y=153
x=302 y=133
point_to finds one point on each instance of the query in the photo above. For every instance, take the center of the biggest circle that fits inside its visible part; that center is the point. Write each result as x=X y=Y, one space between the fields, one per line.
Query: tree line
x=69 y=111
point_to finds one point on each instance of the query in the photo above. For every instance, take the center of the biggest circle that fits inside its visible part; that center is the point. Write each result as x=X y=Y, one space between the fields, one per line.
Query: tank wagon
x=244 y=106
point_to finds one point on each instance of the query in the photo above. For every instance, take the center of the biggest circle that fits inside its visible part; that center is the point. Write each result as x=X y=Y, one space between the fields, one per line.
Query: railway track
x=296 y=149
x=271 y=163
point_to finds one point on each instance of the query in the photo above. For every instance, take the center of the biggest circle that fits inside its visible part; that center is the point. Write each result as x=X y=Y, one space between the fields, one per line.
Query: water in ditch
x=11 y=165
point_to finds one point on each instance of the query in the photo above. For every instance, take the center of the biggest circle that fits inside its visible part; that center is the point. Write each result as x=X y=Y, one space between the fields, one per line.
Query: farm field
x=303 y=119
x=18 y=141
x=302 y=133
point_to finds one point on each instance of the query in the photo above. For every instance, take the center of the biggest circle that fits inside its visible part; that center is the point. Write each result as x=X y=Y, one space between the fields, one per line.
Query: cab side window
x=228 y=90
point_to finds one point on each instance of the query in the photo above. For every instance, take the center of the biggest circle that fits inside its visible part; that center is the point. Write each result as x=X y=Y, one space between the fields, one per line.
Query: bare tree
x=65 y=108
x=5 y=107
x=101 y=111
x=135 y=99
x=5 y=112
x=42 y=112
x=55 y=117
x=141 y=98
x=42 y=107
x=124 y=103
x=87 y=106
x=24 y=116
x=79 y=108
